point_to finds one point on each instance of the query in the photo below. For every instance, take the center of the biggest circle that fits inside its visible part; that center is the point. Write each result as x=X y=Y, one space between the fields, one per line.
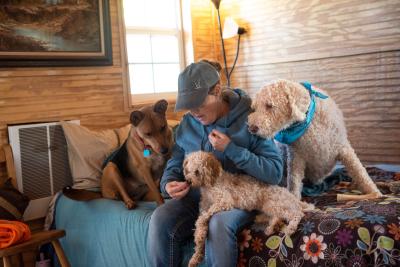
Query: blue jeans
x=172 y=225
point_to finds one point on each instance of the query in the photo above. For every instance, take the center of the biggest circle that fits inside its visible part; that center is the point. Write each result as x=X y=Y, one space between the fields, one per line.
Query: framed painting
x=55 y=33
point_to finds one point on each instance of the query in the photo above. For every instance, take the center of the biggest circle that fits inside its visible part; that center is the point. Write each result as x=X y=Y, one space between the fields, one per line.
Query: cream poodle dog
x=284 y=105
x=222 y=191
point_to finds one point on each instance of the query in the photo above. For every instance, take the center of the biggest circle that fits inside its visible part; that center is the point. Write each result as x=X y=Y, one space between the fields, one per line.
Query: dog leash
x=297 y=129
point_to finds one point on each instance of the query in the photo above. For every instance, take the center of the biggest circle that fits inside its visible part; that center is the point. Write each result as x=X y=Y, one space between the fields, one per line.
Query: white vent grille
x=41 y=163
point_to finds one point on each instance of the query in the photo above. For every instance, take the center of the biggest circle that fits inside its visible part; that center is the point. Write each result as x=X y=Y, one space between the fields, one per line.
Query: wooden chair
x=39 y=238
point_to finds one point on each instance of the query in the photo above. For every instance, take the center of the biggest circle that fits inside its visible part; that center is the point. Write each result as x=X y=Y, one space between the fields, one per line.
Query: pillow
x=88 y=149
x=12 y=202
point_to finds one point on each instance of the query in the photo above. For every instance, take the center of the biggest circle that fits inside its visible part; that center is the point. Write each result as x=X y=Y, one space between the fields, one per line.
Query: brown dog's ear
x=161 y=106
x=136 y=117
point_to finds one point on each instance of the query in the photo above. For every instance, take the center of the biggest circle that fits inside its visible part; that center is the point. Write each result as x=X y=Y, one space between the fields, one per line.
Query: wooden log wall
x=97 y=96
x=351 y=48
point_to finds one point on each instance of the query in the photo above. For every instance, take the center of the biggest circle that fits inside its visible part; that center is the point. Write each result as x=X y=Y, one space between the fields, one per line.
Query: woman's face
x=208 y=112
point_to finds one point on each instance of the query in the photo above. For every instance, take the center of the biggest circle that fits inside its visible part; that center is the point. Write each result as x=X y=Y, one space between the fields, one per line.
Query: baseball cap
x=194 y=83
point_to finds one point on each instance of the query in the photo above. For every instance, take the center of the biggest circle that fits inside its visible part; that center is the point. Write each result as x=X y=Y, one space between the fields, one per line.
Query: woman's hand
x=218 y=140
x=177 y=189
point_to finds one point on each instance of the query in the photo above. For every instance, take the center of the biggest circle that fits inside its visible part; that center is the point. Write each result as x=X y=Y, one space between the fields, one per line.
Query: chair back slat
x=6 y=157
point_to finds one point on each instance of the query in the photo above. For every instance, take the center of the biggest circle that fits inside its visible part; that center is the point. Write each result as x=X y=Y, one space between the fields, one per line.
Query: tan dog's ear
x=185 y=163
x=161 y=106
x=216 y=168
x=136 y=117
x=213 y=170
x=297 y=115
x=295 y=99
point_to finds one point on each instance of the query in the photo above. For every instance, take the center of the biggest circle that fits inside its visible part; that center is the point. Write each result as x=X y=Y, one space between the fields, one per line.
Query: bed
x=354 y=233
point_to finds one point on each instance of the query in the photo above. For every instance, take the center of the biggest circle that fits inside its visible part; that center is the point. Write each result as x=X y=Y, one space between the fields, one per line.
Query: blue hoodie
x=246 y=153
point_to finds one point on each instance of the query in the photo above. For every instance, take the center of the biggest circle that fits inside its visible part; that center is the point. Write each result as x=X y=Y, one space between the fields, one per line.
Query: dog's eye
x=147 y=134
x=163 y=128
x=197 y=173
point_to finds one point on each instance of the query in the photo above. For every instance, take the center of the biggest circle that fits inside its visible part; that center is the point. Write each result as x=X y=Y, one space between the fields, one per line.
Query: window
x=154 y=48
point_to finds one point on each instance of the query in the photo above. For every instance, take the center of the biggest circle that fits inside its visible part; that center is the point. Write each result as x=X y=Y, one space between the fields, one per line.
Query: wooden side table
x=37 y=240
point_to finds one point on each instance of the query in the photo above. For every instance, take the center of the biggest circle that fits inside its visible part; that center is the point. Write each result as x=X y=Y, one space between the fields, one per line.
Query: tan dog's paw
x=130 y=204
x=288 y=231
x=193 y=262
x=269 y=230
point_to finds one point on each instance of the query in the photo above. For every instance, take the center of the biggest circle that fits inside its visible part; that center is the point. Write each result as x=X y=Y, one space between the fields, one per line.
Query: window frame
x=139 y=99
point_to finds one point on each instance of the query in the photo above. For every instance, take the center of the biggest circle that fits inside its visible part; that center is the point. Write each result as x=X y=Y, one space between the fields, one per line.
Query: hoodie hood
x=193 y=136
x=239 y=105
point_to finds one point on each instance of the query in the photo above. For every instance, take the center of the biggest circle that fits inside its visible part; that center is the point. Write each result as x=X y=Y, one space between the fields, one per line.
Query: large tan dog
x=222 y=191
x=314 y=155
x=133 y=172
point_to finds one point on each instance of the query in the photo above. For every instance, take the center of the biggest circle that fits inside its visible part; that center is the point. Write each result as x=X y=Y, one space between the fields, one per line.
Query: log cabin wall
x=351 y=48
x=96 y=96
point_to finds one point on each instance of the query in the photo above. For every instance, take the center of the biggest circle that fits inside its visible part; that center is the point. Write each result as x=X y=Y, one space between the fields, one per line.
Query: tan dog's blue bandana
x=297 y=129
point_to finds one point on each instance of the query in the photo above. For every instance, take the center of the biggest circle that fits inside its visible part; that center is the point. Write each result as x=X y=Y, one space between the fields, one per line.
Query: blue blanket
x=104 y=233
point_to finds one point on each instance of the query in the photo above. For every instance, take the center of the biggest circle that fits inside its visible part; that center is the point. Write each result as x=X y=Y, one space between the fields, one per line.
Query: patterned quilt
x=353 y=233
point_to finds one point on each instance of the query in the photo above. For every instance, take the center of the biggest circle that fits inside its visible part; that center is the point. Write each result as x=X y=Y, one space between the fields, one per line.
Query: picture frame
x=39 y=33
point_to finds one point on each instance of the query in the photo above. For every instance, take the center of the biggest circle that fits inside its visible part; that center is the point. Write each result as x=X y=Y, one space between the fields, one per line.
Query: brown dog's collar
x=145 y=148
x=139 y=139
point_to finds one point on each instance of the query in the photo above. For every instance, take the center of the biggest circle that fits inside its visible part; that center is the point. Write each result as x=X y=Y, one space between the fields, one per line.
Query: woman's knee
x=218 y=225
x=159 y=218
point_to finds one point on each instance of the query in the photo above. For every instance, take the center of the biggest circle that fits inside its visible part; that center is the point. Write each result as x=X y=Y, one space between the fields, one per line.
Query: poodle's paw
x=269 y=230
x=378 y=194
x=130 y=204
x=288 y=231
x=307 y=206
x=297 y=194
x=194 y=261
x=200 y=239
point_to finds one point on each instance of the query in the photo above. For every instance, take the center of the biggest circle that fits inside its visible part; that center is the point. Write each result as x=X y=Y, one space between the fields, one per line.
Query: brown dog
x=134 y=170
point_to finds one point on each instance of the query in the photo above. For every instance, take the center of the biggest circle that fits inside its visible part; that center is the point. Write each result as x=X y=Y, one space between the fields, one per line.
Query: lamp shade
x=216 y=3
x=230 y=28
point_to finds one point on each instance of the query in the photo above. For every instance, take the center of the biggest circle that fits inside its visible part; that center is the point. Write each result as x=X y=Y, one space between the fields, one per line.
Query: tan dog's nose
x=253 y=129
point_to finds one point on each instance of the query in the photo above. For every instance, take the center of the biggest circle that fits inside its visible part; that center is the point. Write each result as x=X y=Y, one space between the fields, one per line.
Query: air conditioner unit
x=41 y=163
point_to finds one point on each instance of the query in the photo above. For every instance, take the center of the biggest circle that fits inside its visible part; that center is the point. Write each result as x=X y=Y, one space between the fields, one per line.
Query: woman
x=216 y=123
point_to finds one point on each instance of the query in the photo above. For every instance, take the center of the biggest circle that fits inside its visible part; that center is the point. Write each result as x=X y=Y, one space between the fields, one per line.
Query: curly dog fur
x=222 y=191
x=314 y=155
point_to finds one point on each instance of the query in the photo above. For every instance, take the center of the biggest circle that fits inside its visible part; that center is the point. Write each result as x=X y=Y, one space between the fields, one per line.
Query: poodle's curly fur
x=314 y=155
x=222 y=191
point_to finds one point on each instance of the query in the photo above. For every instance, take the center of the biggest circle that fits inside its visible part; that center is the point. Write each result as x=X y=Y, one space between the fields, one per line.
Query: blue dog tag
x=146 y=152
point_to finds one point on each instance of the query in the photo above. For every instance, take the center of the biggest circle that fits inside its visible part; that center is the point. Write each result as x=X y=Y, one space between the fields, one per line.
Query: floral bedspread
x=353 y=233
